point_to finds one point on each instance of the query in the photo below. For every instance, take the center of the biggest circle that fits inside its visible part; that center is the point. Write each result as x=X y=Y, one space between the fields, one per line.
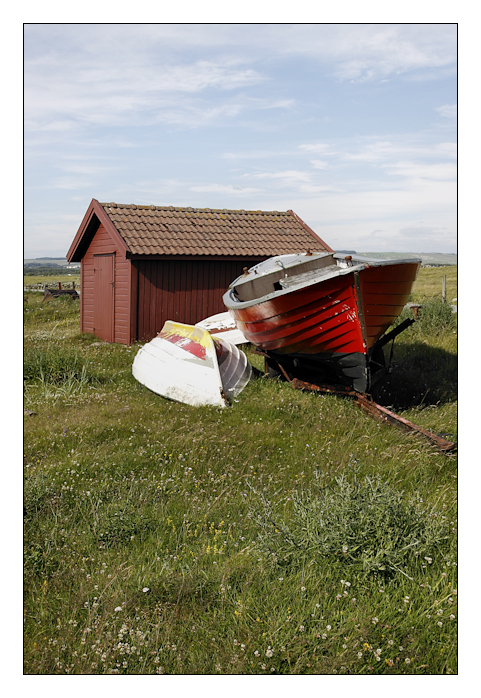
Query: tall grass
x=429 y=283
x=287 y=534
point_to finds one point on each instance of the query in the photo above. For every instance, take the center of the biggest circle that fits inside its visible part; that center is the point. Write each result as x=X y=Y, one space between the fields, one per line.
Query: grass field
x=52 y=281
x=287 y=534
x=430 y=283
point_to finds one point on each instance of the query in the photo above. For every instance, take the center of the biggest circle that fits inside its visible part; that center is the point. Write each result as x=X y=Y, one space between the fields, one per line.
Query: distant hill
x=48 y=266
x=427 y=258
x=59 y=261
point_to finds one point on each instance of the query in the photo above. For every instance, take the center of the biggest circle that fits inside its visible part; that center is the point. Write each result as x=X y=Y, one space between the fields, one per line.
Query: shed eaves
x=167 y=230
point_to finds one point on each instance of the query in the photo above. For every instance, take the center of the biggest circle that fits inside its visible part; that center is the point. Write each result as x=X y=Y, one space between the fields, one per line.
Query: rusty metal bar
x=367 y=404
x=384 y=415
x=323 y=388
x=284 y=373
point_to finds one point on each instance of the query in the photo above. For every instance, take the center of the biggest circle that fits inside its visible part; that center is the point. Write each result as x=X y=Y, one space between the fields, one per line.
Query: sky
x=352 y=126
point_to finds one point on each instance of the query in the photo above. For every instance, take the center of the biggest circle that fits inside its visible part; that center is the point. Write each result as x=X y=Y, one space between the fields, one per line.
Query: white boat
x=223 y=325
x=185 y=363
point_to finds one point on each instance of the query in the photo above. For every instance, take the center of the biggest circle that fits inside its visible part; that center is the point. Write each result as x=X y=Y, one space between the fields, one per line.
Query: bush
x=435 y=317
x=368 y=525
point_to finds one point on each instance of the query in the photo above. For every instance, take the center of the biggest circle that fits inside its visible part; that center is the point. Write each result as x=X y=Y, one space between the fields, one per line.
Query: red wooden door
x=104 y=296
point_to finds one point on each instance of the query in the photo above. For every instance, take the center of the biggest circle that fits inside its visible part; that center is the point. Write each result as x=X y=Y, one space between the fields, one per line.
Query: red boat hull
x=319 y=318
x=337 y=315
x=338 y=319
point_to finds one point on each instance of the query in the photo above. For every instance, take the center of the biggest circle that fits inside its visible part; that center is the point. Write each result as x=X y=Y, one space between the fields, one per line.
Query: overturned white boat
x=187 y=364
x=223 y=325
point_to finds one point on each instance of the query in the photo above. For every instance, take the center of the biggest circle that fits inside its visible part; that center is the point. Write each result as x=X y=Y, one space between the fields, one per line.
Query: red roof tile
x=166 y=230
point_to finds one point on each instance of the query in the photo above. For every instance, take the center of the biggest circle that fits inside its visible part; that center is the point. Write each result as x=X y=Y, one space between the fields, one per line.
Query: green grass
x=162 y=538
x=52 y=280
x=429 y=283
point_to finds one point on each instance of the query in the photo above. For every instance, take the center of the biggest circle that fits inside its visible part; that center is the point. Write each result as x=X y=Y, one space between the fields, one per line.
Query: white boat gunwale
x=339 y=268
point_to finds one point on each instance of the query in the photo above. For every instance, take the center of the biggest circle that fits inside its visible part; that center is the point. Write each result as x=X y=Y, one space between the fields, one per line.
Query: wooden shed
x=143 y=265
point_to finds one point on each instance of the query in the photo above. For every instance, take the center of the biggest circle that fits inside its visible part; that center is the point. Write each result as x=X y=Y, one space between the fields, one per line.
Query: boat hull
x=332 y=323
x=222 y=325
x=186 y=364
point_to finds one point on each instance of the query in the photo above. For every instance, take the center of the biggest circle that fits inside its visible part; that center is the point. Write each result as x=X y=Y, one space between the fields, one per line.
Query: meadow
x=289 y=533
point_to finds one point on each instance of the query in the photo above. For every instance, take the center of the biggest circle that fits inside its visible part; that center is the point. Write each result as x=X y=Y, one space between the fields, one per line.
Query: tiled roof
x=167 y=230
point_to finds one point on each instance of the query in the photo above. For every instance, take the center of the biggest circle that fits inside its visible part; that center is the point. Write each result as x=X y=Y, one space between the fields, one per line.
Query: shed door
x=104 y=296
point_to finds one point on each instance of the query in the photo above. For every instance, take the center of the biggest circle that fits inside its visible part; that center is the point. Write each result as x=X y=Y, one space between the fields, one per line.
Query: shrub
x=435 y=317
x=367 y=525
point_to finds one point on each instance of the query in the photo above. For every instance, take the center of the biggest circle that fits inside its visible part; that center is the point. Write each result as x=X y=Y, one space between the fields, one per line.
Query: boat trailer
x=363 y=400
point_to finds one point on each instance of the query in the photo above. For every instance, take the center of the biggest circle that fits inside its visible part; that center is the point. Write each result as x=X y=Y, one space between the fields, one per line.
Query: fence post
x=444 y=288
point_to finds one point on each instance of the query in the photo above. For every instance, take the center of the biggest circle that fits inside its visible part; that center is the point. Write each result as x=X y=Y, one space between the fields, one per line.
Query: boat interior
x=286 y=272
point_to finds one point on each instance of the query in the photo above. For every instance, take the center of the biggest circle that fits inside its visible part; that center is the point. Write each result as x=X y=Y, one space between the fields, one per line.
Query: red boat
x=322 y=313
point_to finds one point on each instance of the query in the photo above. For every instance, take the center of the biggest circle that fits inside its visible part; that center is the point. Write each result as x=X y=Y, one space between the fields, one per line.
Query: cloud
x=89 y=84
x=289 y=176
x=76 y=75
x=438 y=171
x=254 y=154
x=423 y=232
x=223 y=189
x=352 y=52
x=74 y=183
x=47 y=238
x=123 y=112
x=374 y=151
x=381 y=150
x=449 y=111
x=446 y=150
x=375 y=52
x=291 y=180
x=320 y=148
x=407 y=156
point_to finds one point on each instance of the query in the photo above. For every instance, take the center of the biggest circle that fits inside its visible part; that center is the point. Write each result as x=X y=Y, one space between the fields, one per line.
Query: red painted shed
x=143 y=265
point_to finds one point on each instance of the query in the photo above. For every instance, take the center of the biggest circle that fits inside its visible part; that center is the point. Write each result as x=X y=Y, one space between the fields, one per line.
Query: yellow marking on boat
x=196 y=334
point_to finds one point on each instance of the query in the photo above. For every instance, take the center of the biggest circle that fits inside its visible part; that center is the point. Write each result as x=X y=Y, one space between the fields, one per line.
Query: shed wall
x=102 y=244
x=186 y=291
